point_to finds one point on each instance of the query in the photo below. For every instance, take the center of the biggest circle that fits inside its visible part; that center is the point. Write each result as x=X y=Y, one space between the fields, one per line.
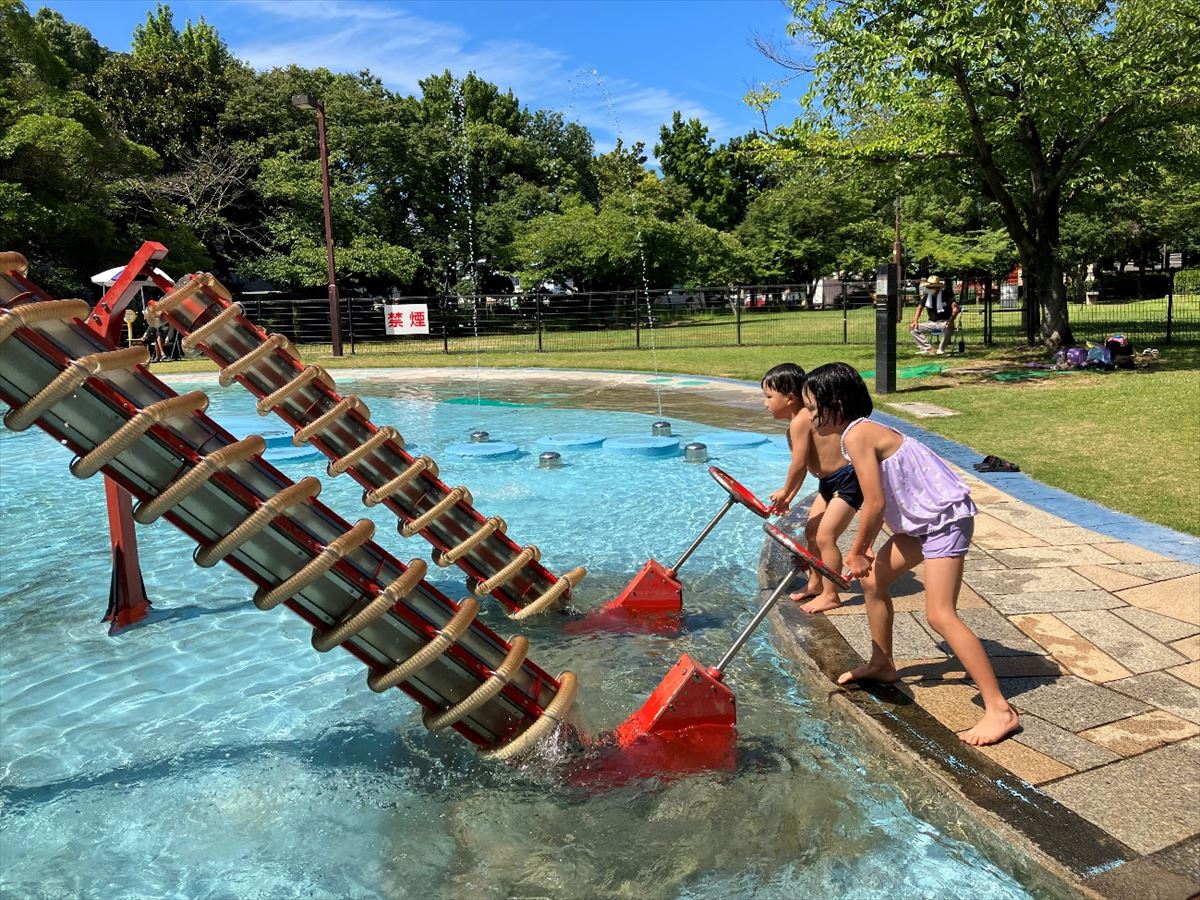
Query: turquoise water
x=212 y=753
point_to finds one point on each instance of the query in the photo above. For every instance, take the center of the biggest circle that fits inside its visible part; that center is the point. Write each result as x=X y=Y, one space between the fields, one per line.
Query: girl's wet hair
x=785 y=378
x=839 y=393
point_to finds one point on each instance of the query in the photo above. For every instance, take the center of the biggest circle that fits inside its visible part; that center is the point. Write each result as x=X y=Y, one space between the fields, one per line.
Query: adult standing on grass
x=937 y=301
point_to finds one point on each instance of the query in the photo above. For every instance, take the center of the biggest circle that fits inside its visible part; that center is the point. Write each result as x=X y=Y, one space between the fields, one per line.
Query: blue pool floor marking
x=490 y=450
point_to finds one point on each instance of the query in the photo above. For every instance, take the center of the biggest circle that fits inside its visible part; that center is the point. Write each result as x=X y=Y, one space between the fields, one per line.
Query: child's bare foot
x=992 y=728
x=812 y=589
x=823 y=603
x=883 y=672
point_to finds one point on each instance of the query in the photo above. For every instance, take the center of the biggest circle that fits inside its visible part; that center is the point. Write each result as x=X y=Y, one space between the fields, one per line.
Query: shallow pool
x=213 y=753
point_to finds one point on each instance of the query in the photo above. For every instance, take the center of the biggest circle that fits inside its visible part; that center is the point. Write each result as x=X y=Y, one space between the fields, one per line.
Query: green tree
x=59 y=162
x=812 y=224
x=1030 y=96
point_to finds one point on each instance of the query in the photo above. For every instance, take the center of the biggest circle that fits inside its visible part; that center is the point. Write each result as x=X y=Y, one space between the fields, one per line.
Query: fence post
x=350 y=323
x=1170 y=301
x=845 y=320
x=537 y=314
x=987 y=309
x=737 y=315
x=445 y=327
x=637 y=320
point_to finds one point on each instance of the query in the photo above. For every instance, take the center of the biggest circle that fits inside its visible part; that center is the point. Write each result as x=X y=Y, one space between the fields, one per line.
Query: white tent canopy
x=109 y=277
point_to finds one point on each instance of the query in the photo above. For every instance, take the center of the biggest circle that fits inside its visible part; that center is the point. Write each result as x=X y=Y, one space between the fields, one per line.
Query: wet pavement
x=1091 y=619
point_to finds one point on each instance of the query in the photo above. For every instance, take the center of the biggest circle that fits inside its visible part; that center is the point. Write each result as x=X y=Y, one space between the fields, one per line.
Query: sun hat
x=933 y=281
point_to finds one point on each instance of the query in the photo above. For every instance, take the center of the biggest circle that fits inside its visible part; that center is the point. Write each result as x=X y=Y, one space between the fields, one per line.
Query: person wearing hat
x=941 y=313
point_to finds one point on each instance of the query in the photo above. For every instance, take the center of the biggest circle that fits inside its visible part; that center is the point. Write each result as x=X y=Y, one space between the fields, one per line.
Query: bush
x=1187 y=281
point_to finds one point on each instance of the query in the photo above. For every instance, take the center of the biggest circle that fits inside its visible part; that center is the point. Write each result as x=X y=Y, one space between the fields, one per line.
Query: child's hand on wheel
x=779 y=504
x=860 y=564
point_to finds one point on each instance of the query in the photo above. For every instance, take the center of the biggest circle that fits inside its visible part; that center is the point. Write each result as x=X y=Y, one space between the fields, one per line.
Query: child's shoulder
x=801 y=421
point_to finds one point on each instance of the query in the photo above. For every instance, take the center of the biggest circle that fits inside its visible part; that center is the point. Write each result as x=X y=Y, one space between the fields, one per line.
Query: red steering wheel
x=802 y=556
x=739 y=493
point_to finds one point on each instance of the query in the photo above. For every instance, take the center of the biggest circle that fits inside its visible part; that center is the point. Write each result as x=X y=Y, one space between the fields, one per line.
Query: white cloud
x=400 y=48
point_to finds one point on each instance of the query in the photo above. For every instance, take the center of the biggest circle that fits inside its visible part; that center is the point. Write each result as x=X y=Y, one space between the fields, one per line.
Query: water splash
x=460 y=186
x=639 y=236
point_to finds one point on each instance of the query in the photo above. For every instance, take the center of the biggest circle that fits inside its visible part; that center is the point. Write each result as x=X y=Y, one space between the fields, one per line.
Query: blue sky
x=619 y=67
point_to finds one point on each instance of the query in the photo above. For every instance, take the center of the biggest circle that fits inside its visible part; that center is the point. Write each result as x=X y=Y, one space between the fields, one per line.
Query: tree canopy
x=1036 y=103
x=1053 y=134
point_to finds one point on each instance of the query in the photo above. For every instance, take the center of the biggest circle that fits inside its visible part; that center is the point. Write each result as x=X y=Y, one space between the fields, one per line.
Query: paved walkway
x=1096 y=642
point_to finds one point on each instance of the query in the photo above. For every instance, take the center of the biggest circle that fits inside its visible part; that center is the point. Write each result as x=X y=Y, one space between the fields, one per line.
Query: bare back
x=825 y=453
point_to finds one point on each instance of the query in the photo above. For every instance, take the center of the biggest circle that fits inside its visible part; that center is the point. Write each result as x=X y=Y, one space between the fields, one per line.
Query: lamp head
x=305 y=101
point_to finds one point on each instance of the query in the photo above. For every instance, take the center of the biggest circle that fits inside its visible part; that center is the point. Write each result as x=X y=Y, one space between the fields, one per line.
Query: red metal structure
x=127 y=600
x=653 y=600
x=689 y=722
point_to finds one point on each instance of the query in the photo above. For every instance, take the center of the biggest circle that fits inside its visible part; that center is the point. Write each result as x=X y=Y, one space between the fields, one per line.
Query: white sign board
x=1009 y=296
x=406 y=318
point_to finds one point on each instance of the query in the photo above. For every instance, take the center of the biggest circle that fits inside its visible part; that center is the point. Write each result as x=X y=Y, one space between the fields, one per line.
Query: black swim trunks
x=844 y=484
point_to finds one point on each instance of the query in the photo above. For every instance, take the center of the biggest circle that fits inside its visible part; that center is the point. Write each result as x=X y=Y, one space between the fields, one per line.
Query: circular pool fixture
x=550 y=460
x=490 y=450
x=661 y=429
x=480 y=437
x=643 y=445
x=695 y=452
x=730 y=440
x=571 y=440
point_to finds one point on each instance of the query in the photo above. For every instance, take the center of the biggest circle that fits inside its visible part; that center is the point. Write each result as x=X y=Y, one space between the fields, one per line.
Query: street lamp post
x=307 y=101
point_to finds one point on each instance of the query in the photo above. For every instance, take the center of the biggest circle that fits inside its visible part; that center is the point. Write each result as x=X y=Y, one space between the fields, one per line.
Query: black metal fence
x=758 y=315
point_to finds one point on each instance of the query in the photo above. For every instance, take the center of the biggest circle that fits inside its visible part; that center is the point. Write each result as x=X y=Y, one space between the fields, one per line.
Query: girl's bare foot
x=994 y=727
x=883 y=672
x=822 y=604
x=812 y=589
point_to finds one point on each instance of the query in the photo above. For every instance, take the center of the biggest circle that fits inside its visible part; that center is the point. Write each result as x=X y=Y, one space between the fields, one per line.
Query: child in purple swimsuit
x=929 y=511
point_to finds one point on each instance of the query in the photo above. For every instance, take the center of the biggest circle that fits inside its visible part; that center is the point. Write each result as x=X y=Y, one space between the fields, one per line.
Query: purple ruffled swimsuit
x=922 y=494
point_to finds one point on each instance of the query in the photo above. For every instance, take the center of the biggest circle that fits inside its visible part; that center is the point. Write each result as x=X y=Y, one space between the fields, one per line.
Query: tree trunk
x=1045 y=269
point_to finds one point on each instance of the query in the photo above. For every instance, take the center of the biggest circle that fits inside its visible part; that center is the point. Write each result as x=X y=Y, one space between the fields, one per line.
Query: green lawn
x=1128 y=440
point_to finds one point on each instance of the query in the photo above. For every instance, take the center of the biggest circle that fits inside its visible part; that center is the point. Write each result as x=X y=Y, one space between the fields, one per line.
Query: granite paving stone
x=1131 y=647
x=979 y=561
x=1131 y=553
x=1070 y=702
x=1063 y=745
x=954 y=704
x=1178 y=598
x=1024 y=581
x=1162 y=628
x=1189 y=647
x=1073 y=534
x=1158 y=571
x=951 y=669
x=1163 y=691
x=1149 y=801
x=1108 y=578
x=909 y=639
x=1025 y=762
x=997 y=634
x=1137 y=734
x=1026 y=517
x=1074 y=651
x=1054 y=601
x=991 y=533
x=1039 y=557
x=1182 y=858
x=1189 y=672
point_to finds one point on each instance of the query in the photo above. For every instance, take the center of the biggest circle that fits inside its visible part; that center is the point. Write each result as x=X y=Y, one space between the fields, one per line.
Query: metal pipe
x=797 y=568
x=335 y=317
x=674 y=570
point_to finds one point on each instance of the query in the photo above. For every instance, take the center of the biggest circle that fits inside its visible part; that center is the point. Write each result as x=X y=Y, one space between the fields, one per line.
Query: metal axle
x=674 y=570
x=797 y=568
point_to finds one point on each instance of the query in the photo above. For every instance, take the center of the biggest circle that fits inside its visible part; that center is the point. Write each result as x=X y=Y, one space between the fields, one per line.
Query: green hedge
x=1187 y=281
